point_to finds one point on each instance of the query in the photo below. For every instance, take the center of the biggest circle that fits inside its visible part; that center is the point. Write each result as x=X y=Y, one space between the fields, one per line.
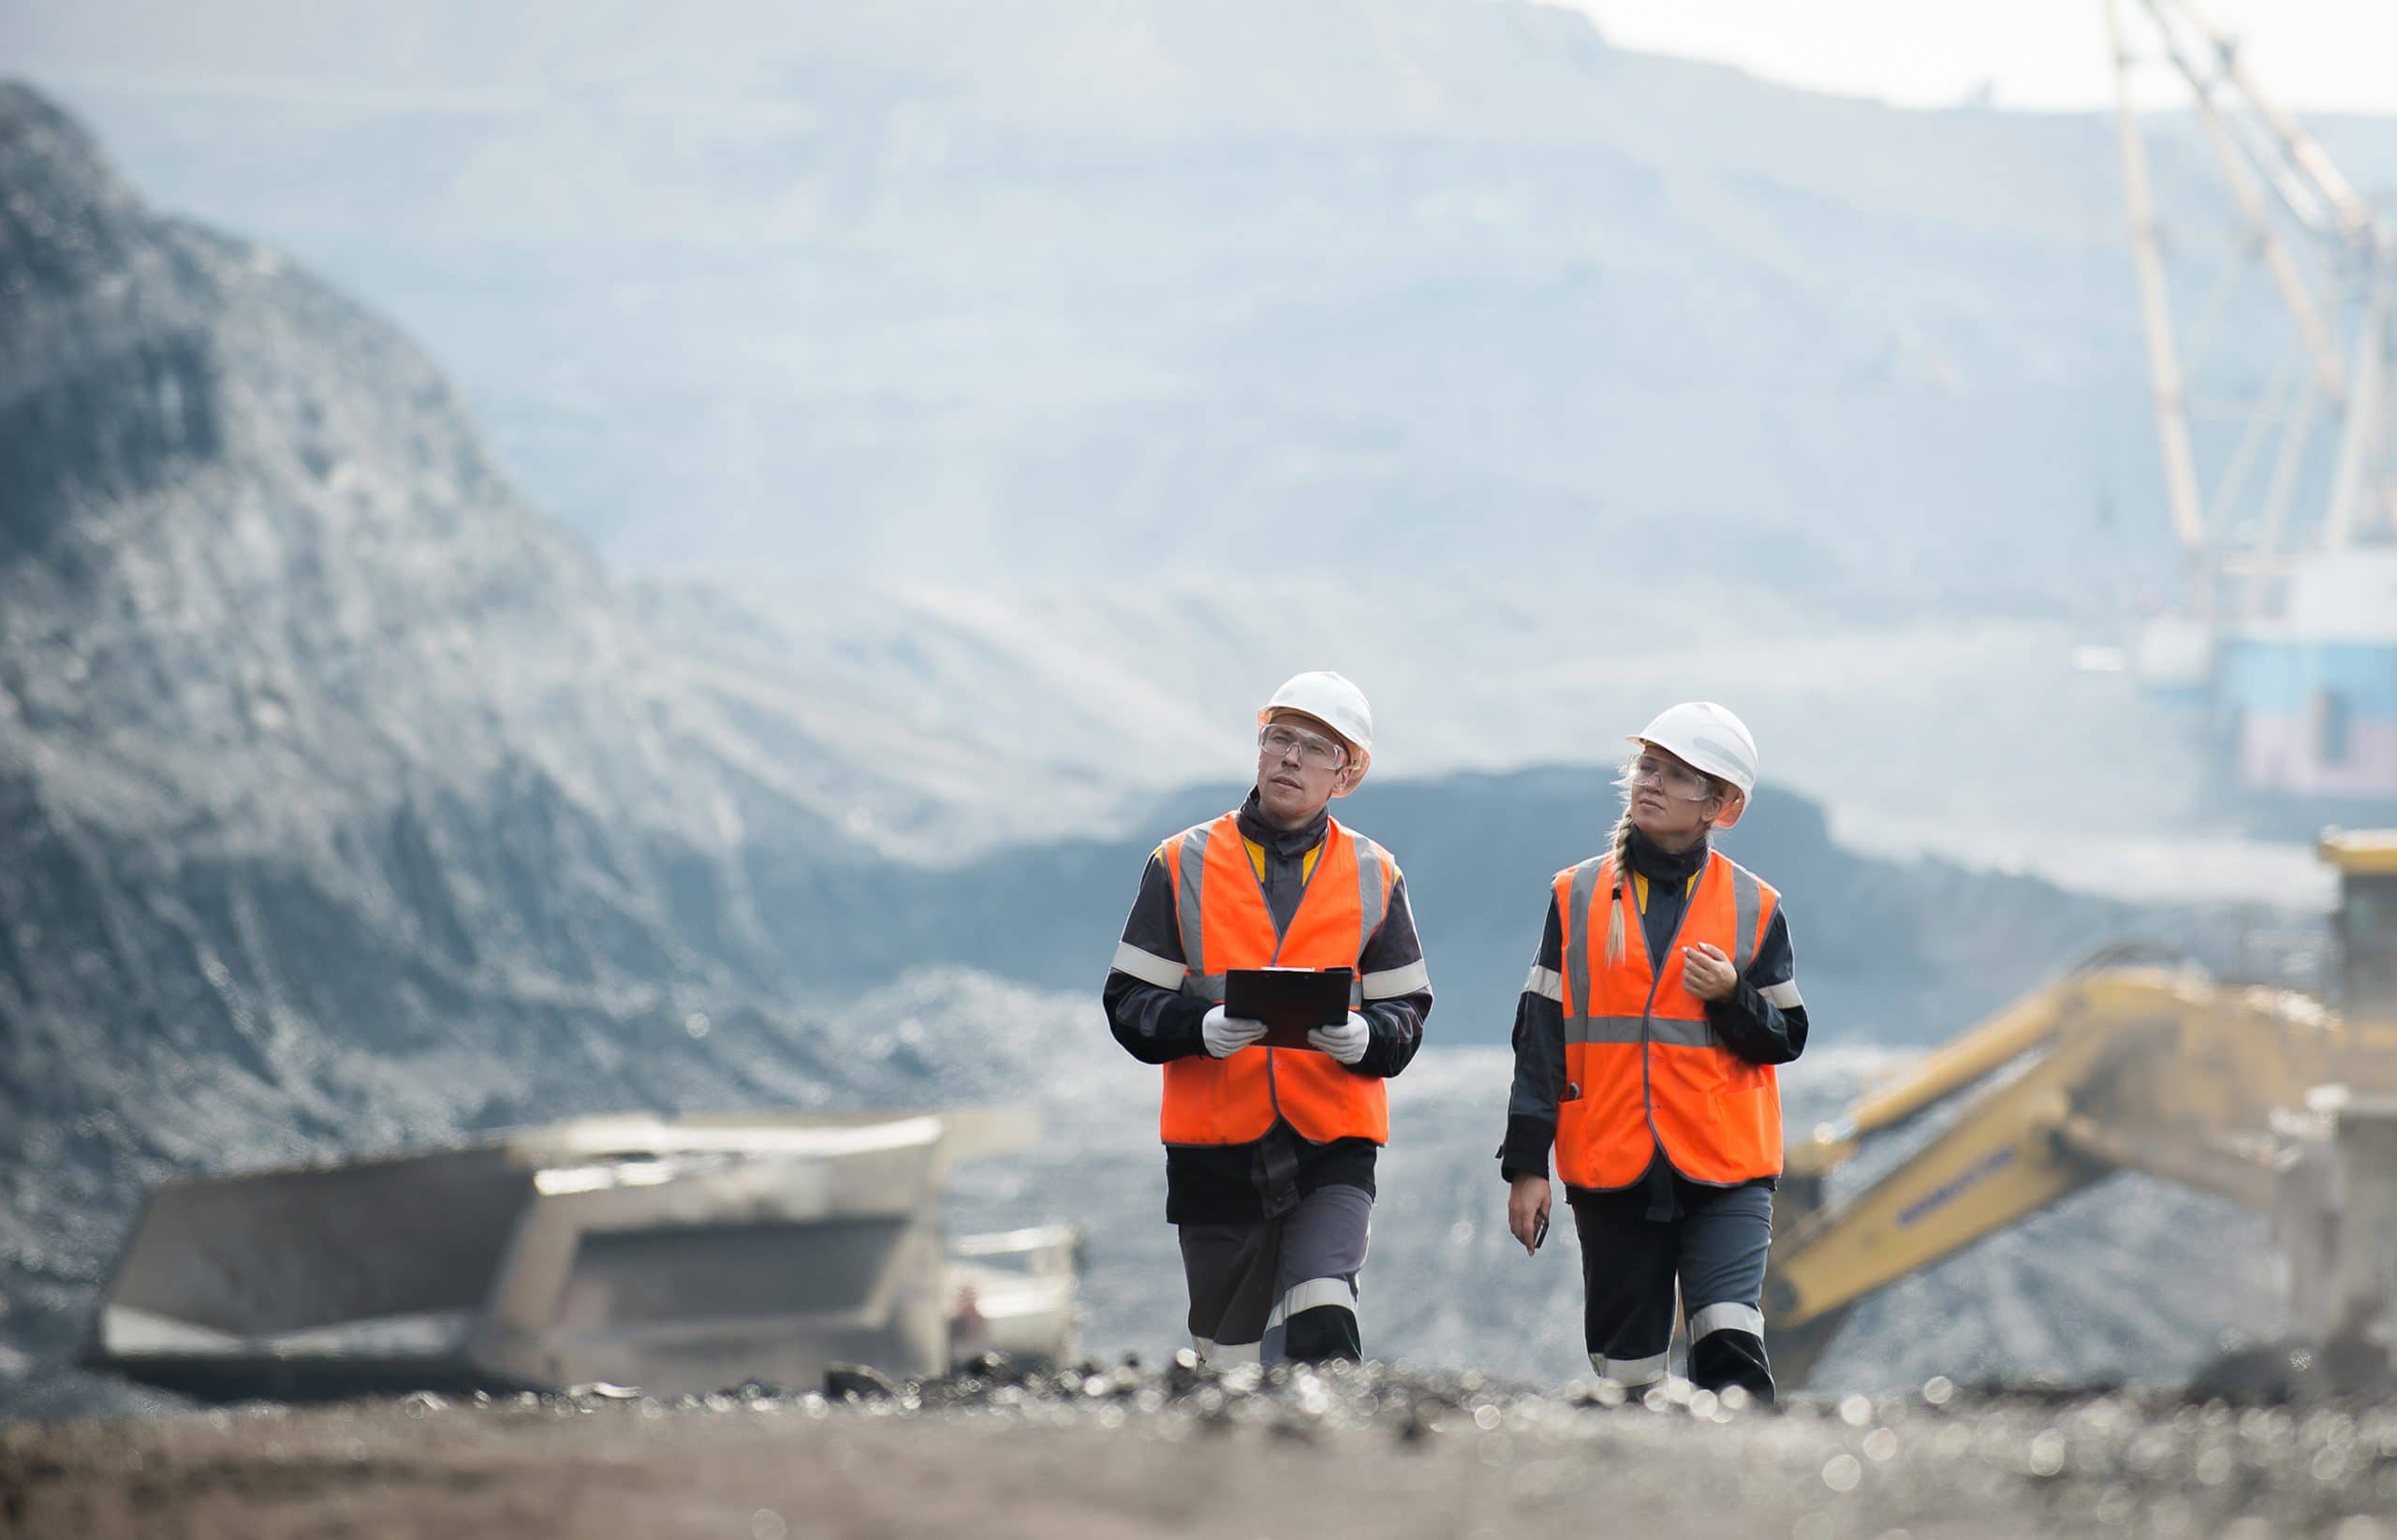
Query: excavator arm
x=1998 y=1163
x=2115 y=1069
x=2018 y=1030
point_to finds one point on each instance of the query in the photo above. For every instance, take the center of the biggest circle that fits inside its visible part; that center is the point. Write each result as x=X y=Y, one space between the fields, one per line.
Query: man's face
x=1301 y=767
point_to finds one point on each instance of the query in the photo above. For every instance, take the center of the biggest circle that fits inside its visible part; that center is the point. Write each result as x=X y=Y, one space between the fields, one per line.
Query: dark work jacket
x=1750 y=1026
x=1238 y=1183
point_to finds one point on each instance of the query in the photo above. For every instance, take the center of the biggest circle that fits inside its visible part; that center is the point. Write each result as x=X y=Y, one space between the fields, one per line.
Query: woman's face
x=1671 y=802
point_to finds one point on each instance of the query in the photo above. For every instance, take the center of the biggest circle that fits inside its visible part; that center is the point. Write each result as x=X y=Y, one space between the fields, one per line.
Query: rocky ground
x=1377 y=1451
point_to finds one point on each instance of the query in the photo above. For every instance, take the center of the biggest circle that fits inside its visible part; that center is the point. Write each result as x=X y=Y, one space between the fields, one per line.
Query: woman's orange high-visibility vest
x=1225 y=923
x=1648 y=1069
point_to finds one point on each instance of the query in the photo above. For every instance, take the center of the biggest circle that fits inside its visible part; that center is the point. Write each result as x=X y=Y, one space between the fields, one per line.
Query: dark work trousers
x=1717 y=1248
x=1281 y=1288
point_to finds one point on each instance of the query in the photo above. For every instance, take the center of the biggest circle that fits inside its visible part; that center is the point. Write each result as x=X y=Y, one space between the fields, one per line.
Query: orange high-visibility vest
x=1648 y=1069
x=1220 y=908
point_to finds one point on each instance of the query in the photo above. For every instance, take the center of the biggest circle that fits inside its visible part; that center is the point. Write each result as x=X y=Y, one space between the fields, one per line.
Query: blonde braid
x=1619 y=901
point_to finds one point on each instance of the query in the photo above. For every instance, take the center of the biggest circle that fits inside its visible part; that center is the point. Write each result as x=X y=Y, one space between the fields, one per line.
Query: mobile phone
x=1539 y=1231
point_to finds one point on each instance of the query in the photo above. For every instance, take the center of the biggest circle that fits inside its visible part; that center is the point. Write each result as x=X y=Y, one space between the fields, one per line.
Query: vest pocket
x=1568 y=1142
x=1748 y=1123
x=1571 y=1113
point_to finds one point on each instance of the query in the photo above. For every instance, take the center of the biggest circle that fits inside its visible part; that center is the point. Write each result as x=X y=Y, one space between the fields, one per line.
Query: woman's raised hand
x=1709 y=973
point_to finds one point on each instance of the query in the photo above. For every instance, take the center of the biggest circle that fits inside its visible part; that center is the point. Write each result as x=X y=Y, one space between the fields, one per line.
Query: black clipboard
x=1289 y=1001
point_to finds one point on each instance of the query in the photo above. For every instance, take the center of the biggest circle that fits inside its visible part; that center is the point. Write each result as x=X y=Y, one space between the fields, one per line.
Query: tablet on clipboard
x=1289 y=1001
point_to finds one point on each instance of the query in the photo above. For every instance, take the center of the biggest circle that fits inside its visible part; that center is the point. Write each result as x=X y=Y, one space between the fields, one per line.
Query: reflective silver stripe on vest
x=1393 y=982
x=1747 y=897
x=1577 y=946
x=1602 y=1029
x=1372 y=905
x=1625 y=1030
x=1205 y=986
x=1194 y=873
x=1371 y=900
x=1683 y=1034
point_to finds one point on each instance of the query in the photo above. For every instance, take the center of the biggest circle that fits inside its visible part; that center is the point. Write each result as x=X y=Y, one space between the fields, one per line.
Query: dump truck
x=682 y=1254
x=2265 y=1096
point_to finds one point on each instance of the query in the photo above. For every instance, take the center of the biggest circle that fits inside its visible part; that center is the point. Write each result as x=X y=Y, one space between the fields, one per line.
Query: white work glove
x=1345 y=1042
x=1226 y=1036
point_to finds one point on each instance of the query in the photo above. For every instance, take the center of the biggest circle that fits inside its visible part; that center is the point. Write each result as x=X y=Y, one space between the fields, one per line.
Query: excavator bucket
x=679 y=1255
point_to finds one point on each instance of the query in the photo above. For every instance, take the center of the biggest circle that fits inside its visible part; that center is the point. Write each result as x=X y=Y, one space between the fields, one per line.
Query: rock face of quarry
x=338 y=808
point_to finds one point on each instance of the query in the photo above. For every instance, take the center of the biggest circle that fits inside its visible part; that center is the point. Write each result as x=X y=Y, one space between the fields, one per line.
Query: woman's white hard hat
x=1336 y=703
x=1709 y=737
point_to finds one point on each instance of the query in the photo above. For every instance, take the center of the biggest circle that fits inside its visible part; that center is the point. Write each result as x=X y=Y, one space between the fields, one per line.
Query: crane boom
x=2278 y=259
x=2335 y=283
x=2163 y=355
x=2348 y=210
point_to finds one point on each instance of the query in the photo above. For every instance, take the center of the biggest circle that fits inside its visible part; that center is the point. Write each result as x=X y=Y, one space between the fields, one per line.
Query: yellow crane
x=2118 y=1068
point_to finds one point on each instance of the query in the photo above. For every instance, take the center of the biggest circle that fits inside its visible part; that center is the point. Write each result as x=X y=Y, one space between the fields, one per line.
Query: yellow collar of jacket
x=1257 y=859
x=1638 y=883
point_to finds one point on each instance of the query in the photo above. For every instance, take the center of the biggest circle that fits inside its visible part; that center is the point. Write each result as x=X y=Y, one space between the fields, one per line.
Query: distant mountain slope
x=1035 y=711
x=1120 y=288
x=1890 y=952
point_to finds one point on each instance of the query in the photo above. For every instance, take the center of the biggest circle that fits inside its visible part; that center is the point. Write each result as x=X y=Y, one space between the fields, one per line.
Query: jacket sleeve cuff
x=1394 y=1031
x=1379 y=1052
x=1525 y=1151
x=1752 y=1026
x=1182 y=1028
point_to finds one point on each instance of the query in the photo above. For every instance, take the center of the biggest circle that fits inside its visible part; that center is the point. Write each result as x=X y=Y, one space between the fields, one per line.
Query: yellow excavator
x=2264 y=1096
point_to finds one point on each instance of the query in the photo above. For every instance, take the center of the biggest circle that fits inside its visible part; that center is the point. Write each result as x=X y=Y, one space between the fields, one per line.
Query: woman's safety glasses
x=1683 y=782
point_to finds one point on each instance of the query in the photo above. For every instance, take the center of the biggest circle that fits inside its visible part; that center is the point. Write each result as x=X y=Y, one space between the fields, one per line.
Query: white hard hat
x=1330 y=699
x=1710 y=738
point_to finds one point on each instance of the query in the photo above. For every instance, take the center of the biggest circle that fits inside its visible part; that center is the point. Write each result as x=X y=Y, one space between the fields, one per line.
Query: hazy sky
x=2314 y=56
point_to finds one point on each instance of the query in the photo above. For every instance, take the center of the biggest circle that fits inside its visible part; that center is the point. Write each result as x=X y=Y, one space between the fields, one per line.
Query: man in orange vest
x=1663 y=994
x=1270 y=1152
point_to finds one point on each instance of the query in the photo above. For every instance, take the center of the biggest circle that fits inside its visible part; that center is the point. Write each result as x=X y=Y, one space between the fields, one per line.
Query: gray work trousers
x=1282 y=1288
x=1716 y=1250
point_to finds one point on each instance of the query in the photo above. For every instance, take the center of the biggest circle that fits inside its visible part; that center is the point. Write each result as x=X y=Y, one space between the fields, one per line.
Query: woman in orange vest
x=1270 y=1152
x=1664 y=993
